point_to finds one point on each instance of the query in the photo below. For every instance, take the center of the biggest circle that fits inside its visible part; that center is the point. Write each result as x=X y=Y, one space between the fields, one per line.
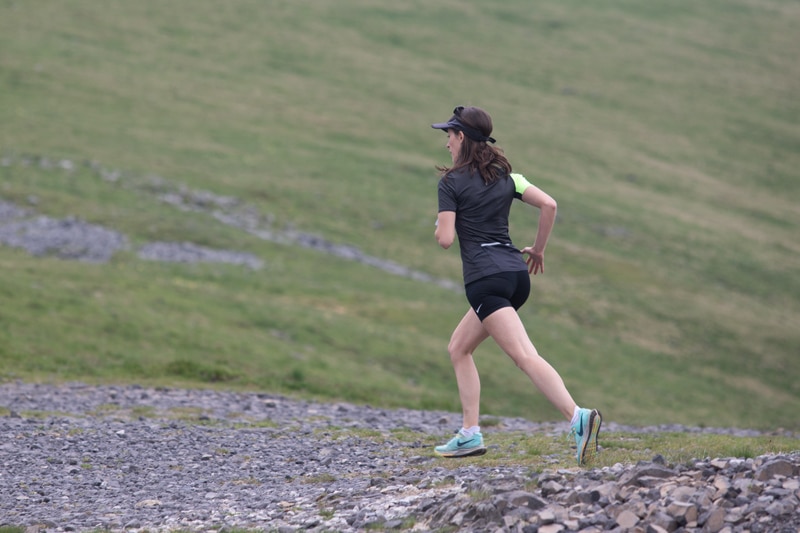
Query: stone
x=791 y=484
x=546 y=516
x=551 y=487
x=720 y=464
x=781 y=507
x=777 y=467
x=663 y=521
x=627 y=519
x=721 y=484
x=713 y=520
x=148 y=503
x=521 y=498
x=652 y=471
x=682 y=512
x=551 y=528
x=683 y=493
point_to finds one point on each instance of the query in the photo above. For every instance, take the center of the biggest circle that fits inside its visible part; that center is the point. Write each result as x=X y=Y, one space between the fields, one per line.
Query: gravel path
x=75 y=458
x=79 y=457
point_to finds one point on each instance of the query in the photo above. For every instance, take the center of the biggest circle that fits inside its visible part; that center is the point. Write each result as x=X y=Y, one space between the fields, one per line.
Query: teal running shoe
x=462 y=446
x=585 y=431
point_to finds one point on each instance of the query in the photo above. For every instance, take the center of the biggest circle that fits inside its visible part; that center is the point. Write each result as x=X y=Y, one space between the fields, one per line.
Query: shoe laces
x=572 y=438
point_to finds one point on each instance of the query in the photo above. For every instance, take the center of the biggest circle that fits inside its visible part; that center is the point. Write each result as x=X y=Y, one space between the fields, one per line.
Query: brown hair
x=479 y=156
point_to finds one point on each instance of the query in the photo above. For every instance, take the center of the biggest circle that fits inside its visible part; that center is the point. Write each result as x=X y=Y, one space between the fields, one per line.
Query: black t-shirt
x=482 y=221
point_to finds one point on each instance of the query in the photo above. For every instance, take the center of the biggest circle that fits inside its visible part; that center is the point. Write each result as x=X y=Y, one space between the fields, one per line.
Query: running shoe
x=462 y=446
x=585 y=431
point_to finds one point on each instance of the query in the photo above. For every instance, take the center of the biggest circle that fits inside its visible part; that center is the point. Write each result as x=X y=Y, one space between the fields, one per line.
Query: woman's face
x=454 y=140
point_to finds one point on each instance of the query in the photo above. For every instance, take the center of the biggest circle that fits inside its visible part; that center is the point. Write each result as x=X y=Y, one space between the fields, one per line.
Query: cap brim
x=442 y=126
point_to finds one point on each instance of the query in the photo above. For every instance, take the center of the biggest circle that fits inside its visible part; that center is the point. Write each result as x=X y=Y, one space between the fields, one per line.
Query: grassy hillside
x=669 y=133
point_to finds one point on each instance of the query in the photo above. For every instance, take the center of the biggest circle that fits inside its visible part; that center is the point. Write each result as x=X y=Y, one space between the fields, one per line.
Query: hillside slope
x=668 y=133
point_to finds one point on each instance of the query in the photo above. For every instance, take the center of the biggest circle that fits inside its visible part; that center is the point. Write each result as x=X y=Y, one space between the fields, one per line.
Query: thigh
x=468 y=334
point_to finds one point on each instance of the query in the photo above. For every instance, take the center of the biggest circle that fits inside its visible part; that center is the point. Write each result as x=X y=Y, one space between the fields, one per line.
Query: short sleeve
x=447 y=195
x=520 y=184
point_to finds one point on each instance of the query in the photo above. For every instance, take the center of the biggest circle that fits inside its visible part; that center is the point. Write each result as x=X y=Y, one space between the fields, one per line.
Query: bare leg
x=506 y=328
x=465 y=339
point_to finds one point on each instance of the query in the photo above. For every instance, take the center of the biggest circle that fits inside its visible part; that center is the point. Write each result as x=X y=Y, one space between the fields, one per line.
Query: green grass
x=669 y=133
x=540 y=453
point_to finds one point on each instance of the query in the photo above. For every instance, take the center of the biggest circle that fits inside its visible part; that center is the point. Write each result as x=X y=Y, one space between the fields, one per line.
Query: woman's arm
x=547 y=216
x=446 y=229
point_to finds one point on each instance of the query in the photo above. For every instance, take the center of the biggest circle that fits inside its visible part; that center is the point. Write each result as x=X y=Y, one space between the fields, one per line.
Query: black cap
x=454 y=123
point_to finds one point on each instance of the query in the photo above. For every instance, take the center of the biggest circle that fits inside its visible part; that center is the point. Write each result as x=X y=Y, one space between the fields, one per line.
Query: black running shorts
x=506 y=289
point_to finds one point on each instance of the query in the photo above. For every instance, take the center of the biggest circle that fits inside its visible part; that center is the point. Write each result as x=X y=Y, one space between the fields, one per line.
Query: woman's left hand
x=535 y=260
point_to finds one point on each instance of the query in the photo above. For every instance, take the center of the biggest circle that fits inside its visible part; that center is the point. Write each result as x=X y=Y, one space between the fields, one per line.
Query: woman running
x=475 y=196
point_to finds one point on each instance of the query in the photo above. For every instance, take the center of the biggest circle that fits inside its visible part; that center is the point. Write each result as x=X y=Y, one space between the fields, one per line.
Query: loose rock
x=79 y=458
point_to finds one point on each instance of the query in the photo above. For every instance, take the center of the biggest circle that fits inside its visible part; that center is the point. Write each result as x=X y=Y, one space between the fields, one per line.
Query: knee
x=456 y=350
